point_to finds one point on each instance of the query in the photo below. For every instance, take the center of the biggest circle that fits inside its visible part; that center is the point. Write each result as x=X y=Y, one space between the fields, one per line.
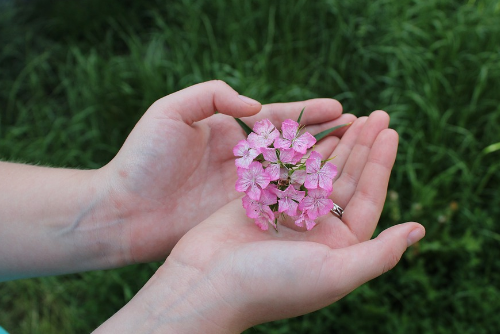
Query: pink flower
x=290 y=156
x=289 y=199
x=298 y=177
x=264 y=134
x=247 y=154
x=252 y=180
x=317 y=175
x=304 y=218
x=274 y=177
x=259 y=210
x=291 y=138
x=273 y=169
x=316 y=203
x=267 y=197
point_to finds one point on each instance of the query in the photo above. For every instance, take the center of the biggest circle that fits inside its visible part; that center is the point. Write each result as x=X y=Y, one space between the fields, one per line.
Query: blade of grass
x=325 y=133
x=300 y=116
x=491 y=148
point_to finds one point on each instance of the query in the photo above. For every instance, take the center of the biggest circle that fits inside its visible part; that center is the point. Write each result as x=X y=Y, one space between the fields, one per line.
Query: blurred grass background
x=75 y=76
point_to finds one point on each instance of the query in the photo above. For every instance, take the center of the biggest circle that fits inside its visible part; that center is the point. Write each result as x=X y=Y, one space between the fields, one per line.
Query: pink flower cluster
x=277 y=181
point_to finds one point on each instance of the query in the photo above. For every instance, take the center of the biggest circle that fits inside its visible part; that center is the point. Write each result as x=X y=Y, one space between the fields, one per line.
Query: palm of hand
x=174 y=172
x=279 y=271
x=290 y=272
x=195 y=173
x=172 y=175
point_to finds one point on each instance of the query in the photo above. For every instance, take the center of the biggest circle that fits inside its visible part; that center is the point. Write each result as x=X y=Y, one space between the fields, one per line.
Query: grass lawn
x=75 y=76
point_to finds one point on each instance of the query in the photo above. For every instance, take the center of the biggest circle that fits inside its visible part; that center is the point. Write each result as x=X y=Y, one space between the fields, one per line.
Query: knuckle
x=219 y=84
x=392 y=259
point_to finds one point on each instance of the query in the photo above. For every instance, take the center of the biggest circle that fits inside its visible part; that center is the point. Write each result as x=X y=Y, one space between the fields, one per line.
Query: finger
x=344 y=147
x=200 y=101
x=343 y=119
x=347 y=268
x=345 y=185
x=316 y=111
x=363 y=210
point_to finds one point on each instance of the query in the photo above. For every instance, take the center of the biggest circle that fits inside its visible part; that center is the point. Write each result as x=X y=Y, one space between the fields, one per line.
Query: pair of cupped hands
x=173 y=182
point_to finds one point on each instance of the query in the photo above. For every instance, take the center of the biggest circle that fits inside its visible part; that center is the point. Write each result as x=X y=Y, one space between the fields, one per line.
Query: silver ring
x=337 y=210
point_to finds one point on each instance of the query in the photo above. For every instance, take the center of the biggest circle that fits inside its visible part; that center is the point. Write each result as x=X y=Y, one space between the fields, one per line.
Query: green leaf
x=325 y=133
x=491 y=148
x=300 y=116
x=244 y=126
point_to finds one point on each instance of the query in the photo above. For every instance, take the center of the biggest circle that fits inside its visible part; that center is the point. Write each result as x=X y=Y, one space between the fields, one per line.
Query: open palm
x=268 y=275
x=177 y=168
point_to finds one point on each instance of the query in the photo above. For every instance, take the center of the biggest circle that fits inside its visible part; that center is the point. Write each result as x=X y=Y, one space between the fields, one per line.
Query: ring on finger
x=337 y=211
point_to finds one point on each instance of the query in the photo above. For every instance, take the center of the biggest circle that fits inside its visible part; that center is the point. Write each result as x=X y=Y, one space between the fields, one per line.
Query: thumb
x=200 y=101
x=367 y=260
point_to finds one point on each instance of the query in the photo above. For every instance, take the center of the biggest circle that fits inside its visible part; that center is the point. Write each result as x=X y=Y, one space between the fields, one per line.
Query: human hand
x=177 y=167
x=226 y=275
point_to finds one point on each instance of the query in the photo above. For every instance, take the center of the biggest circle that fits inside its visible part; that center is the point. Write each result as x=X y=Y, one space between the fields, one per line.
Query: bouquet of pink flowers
x=277 y=179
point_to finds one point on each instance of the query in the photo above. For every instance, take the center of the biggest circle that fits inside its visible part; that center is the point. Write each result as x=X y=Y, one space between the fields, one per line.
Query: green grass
x=76 y=76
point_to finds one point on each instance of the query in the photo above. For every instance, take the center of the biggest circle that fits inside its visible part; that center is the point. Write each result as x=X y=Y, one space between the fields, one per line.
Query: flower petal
x=282 y=143
x=244 y=161
x=273 y=170
x=253 y=192
x=292 y=193
x=268 y=195
x=300 y=221
x=262 y=224
x=310 y=224
x=240 y=148
x=318 y=193
x=289 y=129
x=329 y=170
x=306 y=203
x=264 y=134
x=253 y=211
x=269 y=154
x=288 y=205
x=264 y=126
x=325 y=182
x=311 y=181
x=283 y=205
x=286 y=155
x=325 y=206
x=246 y=201
x=302 y=143
x=257 y=141
x=242 y=184
x=299 y=176
x=297 y=157
x=273 y=135
x=263 y=179
x=313 y=163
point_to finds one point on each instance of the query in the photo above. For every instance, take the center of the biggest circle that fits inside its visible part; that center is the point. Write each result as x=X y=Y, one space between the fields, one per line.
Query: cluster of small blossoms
x=277 y=179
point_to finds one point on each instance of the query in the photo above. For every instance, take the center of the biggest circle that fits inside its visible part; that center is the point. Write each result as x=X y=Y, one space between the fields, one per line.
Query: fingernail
x=248 y=100
x=415 y=236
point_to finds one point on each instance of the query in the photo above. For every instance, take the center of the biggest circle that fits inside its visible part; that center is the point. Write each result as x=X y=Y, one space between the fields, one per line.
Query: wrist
x=197 y=300
x=92 y=230
x=54 y=222
x=148 y=228
x=178 y=300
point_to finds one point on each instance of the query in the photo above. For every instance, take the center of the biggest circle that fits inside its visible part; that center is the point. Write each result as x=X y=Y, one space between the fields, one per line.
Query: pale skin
x=172 y=184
